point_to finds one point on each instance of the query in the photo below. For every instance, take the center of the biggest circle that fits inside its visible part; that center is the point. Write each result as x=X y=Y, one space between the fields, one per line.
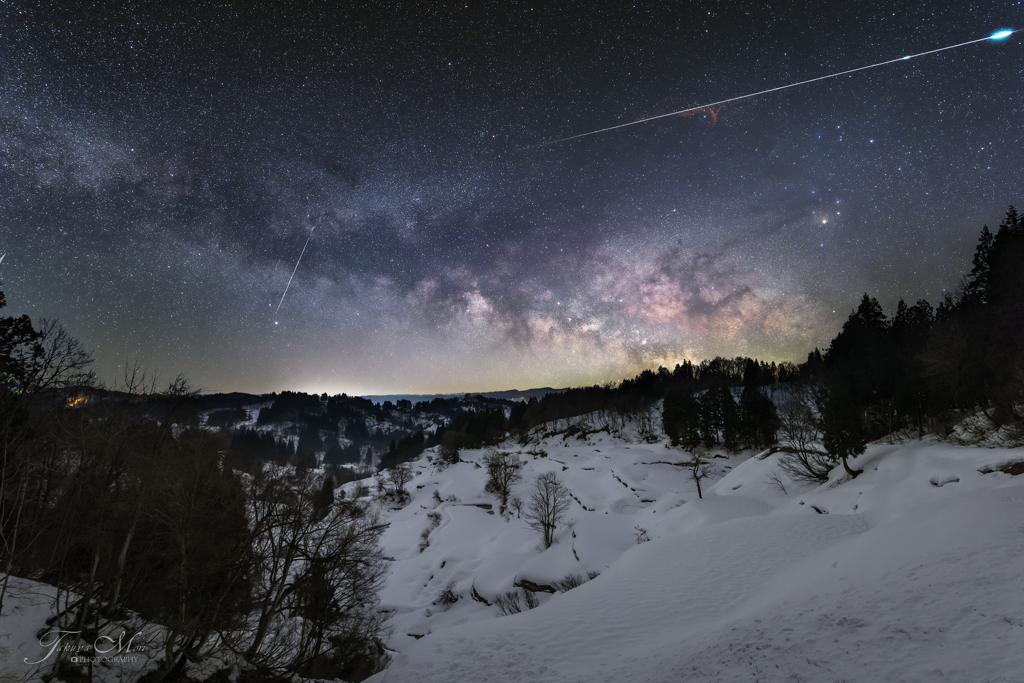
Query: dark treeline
x=489 y=425
x=457 y=407
x=924 y=369
x=289 y=405
x=472 y=421
x=632 y=395
x=472 y=429
x=346 y=431
x=250 y=448
x=226 y=417
x=407 y=448
x=120 y=501
x=334 y=429
x=713 y=416
x=343 y=431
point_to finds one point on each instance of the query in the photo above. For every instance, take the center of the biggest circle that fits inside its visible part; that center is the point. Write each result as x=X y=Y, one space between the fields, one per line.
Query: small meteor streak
x=1002 y=34
x=294 y=269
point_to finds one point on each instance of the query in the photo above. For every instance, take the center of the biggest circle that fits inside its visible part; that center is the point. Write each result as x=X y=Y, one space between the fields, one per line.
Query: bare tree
x=380 y=484
x=316 y=580
x=549 y=502
x=502 y=473
x=180 y=386
x=61 y=362
x=700 y=465
x=799 y=426
x=812 y=467
x=399 y=476
x=447 y=597
x=775 y=479
x=800 y=430
x=95 y=490
x=197 y=569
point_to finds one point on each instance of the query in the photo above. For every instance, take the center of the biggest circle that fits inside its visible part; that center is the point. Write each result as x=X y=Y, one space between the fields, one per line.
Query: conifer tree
x=731 y=423
x=842 y=428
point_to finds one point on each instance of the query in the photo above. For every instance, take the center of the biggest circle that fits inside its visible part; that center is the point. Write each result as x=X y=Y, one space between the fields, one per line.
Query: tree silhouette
x=549 y=502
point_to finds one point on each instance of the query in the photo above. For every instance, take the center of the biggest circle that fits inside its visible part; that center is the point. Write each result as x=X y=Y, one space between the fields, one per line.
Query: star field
x=162 y=167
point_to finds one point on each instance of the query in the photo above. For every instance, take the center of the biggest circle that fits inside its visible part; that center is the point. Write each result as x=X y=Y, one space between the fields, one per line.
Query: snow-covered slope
x=909 y=572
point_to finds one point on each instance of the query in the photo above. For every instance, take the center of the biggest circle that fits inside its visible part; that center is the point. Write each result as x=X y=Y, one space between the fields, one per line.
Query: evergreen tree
x=911 y=326
x=19 y=350
x=977 y=285
x=355 y=429
x=814 y=366
x=750 y=406
x=843 y=434
x=731 y=423
x=1005 y=322
x=859 y=352
x=681 y=418
x=710 y=421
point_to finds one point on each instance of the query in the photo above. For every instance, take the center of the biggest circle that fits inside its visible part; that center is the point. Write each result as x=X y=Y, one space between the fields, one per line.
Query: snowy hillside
x=910 y=572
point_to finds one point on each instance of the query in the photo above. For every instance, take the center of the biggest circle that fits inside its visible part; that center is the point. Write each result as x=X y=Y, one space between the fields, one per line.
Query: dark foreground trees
x=267 y=565
x=317 y=570
x=923 y=369
x=123 y=510
x=714 y=416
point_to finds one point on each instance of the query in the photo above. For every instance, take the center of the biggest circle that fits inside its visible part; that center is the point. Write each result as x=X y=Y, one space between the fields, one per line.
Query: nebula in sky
x=162 y=168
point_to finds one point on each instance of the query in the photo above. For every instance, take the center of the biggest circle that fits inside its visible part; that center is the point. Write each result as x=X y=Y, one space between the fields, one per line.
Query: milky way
x=162 y=167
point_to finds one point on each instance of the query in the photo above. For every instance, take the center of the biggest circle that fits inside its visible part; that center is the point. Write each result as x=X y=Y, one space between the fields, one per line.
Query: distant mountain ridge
x=510 y=394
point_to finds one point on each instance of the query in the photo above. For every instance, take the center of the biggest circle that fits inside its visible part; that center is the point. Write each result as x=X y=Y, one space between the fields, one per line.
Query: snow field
x=909 y=572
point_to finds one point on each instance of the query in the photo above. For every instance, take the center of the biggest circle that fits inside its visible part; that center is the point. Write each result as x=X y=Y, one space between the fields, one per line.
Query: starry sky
x=162 y=166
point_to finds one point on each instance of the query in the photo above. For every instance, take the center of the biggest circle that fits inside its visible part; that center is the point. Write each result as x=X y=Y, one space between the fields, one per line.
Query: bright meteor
x=998 y=35
x=294 y=269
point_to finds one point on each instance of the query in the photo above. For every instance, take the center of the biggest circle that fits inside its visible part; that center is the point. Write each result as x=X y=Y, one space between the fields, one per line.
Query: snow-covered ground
x=123 y=651
x=911 y=572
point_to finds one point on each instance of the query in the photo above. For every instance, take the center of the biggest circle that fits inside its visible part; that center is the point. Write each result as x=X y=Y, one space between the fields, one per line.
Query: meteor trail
x=293 y=270
x=998 y=35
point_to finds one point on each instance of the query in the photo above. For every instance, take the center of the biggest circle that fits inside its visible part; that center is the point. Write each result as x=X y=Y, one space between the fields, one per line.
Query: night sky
x=161 y=168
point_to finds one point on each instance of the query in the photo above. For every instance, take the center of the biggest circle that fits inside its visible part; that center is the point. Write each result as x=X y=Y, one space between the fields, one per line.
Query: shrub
x=569 y=581
x=447 y=597
x=515 y=601
x=435 y=521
